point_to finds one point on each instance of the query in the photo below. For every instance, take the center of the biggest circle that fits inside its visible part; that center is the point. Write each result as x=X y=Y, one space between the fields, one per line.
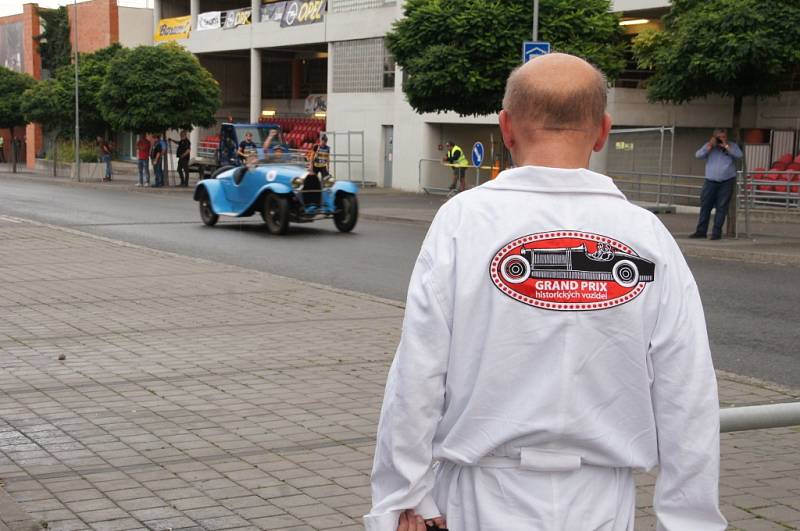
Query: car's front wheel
x=346 y=214
x=206 y=211
x=275 y=213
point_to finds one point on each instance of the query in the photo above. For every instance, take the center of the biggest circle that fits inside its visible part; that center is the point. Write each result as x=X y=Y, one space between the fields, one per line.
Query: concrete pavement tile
x=328 y=521
x=260 y=511
x=101 y=515
x=777 y=513
x=224 y=522
x=149 y=502
x=123 y=524
x=276 y=522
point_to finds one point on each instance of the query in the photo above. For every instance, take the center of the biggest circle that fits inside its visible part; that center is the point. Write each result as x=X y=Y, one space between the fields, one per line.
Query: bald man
x=553 y=342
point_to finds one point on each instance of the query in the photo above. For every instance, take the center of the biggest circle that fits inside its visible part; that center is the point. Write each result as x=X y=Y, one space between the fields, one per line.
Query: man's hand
x=411 y=521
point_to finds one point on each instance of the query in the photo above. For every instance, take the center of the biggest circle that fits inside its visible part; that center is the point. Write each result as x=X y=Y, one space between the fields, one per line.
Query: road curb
x=757 y=382
x=752 y=257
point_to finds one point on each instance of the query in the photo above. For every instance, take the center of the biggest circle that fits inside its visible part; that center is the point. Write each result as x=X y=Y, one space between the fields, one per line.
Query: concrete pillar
x=297 y=76
x=194 y=10
x=255 y=85
x=156 y=15
x=194 y=138
x=255 y=16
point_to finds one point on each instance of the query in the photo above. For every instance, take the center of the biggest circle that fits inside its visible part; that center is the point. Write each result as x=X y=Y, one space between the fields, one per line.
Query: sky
x=12 y=7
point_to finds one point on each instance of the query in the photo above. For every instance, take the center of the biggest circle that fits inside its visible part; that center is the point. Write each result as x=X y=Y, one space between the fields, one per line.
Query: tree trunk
x=737 y=135
x=13 y=151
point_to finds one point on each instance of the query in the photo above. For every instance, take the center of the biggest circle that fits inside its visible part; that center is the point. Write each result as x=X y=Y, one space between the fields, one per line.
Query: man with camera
x=721 y=156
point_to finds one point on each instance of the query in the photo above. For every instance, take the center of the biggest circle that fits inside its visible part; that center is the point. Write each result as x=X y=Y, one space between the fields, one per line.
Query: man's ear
x=605 y=128
x=505 y=130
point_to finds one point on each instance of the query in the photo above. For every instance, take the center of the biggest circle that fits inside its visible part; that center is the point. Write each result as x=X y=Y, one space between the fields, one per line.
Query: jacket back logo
x=570 y=271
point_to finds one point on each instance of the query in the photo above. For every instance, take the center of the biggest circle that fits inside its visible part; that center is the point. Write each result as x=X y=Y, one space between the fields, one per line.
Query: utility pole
x=535 y=20
x=77 y=118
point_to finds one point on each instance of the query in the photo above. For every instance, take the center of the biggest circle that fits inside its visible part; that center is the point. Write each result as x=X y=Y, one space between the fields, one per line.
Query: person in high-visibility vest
x=455 y=156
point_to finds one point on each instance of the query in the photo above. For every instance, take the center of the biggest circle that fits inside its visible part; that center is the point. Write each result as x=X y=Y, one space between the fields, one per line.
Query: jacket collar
x=554 y=180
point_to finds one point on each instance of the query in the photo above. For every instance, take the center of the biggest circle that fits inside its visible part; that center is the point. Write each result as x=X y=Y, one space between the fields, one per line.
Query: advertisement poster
x=301 y=12
x=236 y=17
x=172 y=29
x=273 y=12
x=210 y=20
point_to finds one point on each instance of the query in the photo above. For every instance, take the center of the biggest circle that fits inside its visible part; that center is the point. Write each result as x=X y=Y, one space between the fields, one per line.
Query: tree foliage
x=155 y=88
x=732 y=48
x=47 y=103
x=457 y=54
x=54 y=43
x=12 y=85
x=92 y=71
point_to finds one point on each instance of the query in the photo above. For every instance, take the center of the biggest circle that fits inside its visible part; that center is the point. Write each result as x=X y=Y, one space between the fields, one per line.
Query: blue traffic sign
x=477 y=154
x=531 y=49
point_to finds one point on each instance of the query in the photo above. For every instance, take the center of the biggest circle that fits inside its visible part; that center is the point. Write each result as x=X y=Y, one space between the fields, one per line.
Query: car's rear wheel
x=346 y=214
x=206 y=211
x=625 y=273
x=275 y=213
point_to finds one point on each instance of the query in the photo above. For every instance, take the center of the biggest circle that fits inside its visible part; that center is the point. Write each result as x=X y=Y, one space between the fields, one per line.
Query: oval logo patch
x=570 y=271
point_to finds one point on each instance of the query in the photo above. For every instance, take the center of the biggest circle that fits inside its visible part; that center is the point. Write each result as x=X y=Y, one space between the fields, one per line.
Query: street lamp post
x=77 y=118
x=535 y=20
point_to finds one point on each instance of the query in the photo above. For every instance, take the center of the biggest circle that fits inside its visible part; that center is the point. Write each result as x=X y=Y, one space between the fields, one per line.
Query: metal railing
x=663 y=189
x=768 y=191
x=759 y=417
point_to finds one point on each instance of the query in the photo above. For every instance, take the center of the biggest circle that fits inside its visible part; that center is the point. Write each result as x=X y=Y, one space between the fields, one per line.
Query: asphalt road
x=751 y=309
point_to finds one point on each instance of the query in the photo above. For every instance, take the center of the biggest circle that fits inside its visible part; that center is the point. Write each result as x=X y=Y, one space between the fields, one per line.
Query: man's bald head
x=556 y=92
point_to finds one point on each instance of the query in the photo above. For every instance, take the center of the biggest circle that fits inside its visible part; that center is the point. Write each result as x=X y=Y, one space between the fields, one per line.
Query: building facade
x=99 y=23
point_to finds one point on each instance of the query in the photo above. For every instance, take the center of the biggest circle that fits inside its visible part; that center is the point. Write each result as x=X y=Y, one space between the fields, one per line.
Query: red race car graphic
x=569 y=270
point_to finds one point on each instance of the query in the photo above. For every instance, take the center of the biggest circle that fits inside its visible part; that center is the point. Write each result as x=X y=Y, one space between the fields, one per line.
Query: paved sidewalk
x=202 y=396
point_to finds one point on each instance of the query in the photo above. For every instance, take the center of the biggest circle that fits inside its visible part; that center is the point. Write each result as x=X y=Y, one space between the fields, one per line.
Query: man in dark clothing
x=182 y=152
x=321 y=157
x=246 y=147
x=156 y=155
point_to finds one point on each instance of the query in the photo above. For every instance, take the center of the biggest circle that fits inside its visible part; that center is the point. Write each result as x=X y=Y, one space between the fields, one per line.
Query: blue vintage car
x=281 y=192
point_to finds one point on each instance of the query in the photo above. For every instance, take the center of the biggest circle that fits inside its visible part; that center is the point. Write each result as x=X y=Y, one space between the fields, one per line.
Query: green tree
x=54 y=43
x=92 y=71
x=48 y=104
x=12 y=85
x=734 y=48
x=155 y=88
x=457 y=54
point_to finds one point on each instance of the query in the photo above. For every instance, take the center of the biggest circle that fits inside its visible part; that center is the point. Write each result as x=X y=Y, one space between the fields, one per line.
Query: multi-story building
x=276 y=56
x=100 y=23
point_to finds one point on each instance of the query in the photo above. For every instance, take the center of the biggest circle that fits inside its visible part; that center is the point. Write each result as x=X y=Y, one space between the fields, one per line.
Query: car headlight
x=328 y=181
x=297 y=182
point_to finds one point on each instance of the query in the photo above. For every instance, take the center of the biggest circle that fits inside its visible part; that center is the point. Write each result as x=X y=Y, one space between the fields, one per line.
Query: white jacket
x=521 y=333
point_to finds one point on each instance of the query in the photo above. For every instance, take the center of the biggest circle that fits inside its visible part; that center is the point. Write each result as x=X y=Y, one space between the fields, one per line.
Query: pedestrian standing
x=104 y=154
x=143 y=160
x=321 y=157
x=718 y=188
x=182 y=152
x=455 y=157
x=2 y=149
x=553 y=342
x=156 y=157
